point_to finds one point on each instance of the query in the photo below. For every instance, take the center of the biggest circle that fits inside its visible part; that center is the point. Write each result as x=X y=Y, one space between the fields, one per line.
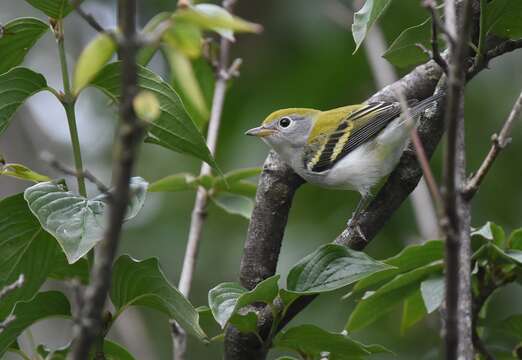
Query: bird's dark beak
x=260 y=131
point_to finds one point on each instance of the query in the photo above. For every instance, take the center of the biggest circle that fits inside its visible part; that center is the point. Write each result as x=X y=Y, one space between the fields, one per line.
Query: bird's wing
x=359 y=126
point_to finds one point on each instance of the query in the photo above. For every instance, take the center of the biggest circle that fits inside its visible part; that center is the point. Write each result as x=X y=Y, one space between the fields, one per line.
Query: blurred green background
x=302 y=59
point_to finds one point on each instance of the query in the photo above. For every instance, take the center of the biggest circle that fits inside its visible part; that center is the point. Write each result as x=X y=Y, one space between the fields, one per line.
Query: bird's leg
x=353 y=223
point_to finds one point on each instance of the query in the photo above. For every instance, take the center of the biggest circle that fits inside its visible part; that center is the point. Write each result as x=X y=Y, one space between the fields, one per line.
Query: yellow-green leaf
x=146 y=106
x=92 y=59
x=186 y=37
x=213 y=17
x=185 y=81
x=22 y=172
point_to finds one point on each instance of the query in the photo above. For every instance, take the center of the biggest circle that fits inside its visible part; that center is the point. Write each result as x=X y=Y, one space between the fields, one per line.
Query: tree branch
x=498 y=143
x=419 y=83
x=129 y=137
x=224 y=73
x=457 y=332
x=89 y=19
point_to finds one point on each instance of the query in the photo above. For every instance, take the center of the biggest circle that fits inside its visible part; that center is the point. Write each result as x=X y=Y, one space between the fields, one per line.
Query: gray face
x=291 y=132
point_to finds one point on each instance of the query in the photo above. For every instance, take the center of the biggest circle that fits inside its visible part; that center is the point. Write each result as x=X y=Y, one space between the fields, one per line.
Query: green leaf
x=241 y=174
x=404 y=52
x=364 y=19
x=331 y=267
x=77 y=223
x=174 y=129
x=215 y=18
x=515 y=240
x=312 y=341
x=433 y=292
x=185 y=82
x=491 y=231
x=62 y=270
x=25 y=248
x=16 y=86
x=246 y=323
x=19 y=37
x=184 y=37
x=410 y=258
x=511 y=325
x=413 y=310
x=142 y=283
x=386 y=297
x=55 y=9
x=173 y=183
x=43 y=305
x=234 y=204
x=494 y=254
x=227 y=298
x=92 y=59
x=508 y=22
x=22 y=172
x=111 y=351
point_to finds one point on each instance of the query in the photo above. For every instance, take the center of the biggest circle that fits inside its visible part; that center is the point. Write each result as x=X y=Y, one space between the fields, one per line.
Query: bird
x=350 y=148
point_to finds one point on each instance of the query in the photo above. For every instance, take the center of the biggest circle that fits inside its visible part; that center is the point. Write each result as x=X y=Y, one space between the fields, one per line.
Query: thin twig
x=89 y=18
x=431 y=6
x=224 y=73
x=498 y=143
x=501 y=49
x=424 y=162
x=130 y=134
x=435 y=26
x=11 y=287
x=86 y=174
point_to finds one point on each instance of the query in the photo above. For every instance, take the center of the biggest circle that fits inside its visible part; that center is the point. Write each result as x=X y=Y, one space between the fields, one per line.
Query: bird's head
x=287 y=128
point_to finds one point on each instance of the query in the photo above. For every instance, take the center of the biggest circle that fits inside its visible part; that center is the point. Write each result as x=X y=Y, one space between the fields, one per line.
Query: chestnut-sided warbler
x=351 y=147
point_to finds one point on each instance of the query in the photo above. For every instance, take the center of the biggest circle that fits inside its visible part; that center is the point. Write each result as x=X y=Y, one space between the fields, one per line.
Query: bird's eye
x=285 y=122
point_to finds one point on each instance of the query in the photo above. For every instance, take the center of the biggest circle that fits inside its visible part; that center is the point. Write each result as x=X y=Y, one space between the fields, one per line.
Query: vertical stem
x=68 y=104
x=458 y=260
x=129 y=136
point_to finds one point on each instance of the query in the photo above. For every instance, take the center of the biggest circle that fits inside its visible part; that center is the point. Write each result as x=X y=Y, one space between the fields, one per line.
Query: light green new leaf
x=331 y=267
x=185 y=82
x=386 y=297
x=495 y=254
x=227 y=298
x=413 y=310
x=146 y=106
x=143 y=283
x=77 y=223
x=410 y=258
x=184 y=37
x=216 y=18
x=55 y=9
x=234 y=204
x=43 y=305
x=22 y=172
x=313 y=341
x=404 y=51
x=92 y=59
x=146 y=53
x=25 y=248
x=515 y=240
x=364 y=19
x=111 y=351
x=18 y=38
x=433 y=292
x=241 y=174
x=174 y=129
x=16 y=86
x=176 y=182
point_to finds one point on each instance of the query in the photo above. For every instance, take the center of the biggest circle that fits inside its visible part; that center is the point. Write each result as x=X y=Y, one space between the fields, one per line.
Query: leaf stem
x=479 y=58
x=68 y=103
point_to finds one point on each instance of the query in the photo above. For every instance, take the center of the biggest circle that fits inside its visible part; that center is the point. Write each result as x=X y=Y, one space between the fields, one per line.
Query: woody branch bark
x=129 y=137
